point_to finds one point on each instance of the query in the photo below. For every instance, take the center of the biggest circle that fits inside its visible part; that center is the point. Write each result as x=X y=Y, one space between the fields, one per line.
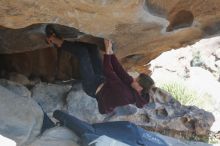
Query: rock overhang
x=138 y=28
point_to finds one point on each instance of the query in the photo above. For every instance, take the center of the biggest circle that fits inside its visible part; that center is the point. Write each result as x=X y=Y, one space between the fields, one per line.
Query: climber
x=108 y=82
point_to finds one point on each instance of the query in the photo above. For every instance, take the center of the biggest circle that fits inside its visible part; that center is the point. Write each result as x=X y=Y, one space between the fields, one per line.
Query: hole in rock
x=184 y=120
x=189 y=123
x=161 y=113
x=145 y=118
x=132 y=58
x=212 y=29
x=25 y=51
x=181 y=19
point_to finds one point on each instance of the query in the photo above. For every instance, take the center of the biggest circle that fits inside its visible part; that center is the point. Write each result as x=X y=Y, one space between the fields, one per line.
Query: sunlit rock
x=135 y=26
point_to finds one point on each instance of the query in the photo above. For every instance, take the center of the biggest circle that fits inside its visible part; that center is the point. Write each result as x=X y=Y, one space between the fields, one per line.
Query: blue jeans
x=91 y=68
x=47 y=123
x=76 y=125
x=123 y=131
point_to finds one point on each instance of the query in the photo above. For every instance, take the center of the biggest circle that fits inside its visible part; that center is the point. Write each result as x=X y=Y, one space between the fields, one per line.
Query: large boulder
x=20 y=117
x=162 y=113
x=83 y=106
x=140 y=29
x=56 y=137
x=16 y=88
x=50 y=96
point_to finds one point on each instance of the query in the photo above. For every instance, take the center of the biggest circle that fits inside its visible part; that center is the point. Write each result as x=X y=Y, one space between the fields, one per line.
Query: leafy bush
x=181 y=93
x=187 y=96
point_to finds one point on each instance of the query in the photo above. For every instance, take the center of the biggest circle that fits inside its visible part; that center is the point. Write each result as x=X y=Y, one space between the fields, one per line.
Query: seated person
x=105 y=81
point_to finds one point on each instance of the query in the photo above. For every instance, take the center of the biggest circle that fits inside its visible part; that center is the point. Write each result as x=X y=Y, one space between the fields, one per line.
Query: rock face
x=37 y=59
x=21 y=121
x=83 y=106
x=16 y=88
x=165 y=113
x=141 y=29
x=50 y=97
x=55 y=137
x=19 y=114
x=162 y=113
x=195 y=67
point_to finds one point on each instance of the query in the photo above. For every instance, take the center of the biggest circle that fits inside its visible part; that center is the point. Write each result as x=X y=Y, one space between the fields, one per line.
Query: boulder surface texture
x=140 y=29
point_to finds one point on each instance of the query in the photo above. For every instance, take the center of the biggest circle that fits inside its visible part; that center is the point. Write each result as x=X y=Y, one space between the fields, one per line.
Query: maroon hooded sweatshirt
x=117 y=90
